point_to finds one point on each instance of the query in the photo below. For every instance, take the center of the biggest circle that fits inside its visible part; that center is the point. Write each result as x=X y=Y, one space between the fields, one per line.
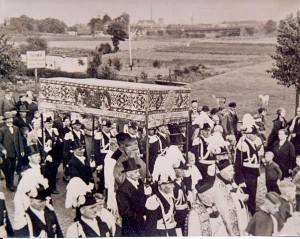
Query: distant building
x=146 y=23
x=71 y=33
x=245 y=24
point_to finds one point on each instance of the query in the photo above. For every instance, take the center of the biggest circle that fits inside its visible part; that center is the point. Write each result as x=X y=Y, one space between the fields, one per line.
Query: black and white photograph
x=149 y=118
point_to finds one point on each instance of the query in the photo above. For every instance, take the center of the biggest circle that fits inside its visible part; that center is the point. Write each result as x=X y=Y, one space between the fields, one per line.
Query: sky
x=172 y=11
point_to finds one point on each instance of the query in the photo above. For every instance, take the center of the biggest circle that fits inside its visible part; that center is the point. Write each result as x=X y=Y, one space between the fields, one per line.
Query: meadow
x=234 y=68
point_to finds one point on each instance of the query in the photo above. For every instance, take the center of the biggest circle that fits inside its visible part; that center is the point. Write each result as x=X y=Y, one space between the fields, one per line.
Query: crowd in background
x=200 y=178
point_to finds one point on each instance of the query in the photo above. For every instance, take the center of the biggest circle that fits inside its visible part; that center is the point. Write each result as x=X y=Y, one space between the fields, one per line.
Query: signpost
x=35 y=60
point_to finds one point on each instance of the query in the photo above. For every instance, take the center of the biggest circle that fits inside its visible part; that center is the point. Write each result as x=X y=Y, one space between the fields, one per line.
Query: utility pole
x=129 y=40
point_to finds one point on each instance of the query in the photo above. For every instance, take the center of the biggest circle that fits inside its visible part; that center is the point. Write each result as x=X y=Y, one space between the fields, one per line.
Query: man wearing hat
x=79 y=165
x=8 y=103
x=263 y=222
x=121 y=137
x=21 y=119
x=160 y=217
x=230 y=120
x=131 y=150
x=154 y=148
x=10 y=140
x=200 y=147
x=131 y=191
x=204 y=218
x=230 y=200
x=31 y=105
x=182 y=193
x=88 y=223
x=133 y=131
x=52 y=148
x=39 y=218
x=193 y=112
x=247 y=162
x=74 y=133
x=102 y=147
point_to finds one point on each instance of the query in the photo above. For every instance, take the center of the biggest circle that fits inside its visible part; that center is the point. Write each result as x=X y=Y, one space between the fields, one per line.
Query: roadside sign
x=36 y=59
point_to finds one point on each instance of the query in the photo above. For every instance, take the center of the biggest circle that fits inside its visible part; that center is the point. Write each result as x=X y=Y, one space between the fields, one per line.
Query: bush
x=156 y=64
x=47 y=73
x=143 y=76
x=117 y=64
x=194 y=68
x=178 y=72
x=109 y=62
x=186 y=70
x=106 y=72
x=105 y=48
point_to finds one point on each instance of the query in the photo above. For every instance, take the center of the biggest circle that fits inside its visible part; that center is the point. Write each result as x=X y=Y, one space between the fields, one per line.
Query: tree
x=10 y=61
x=287 y=68
x=96 y=24
x=36 y=44
x=118 y=33
x=270 y=27
x=51 y=25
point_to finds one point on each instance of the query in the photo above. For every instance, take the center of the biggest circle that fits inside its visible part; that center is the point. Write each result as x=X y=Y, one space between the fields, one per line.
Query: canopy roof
x=116 y=99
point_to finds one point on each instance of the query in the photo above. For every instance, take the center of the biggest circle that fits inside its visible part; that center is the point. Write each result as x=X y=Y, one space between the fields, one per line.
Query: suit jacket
x=131 y=212
x=52 y=227
x=20 y=122
x=7 y=105
x=11 y=142
x=78 y=169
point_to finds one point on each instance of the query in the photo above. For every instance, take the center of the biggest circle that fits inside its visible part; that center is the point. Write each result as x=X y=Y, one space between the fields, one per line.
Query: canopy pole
x=186 y=140
x=147 y=138
x=93 y=139
x=43 y=139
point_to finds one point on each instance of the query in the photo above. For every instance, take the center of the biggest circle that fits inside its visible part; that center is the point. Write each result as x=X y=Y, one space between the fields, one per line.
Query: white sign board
x=36 y=59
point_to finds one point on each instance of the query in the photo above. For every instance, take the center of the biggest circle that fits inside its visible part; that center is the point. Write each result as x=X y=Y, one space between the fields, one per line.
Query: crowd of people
x=196 y=178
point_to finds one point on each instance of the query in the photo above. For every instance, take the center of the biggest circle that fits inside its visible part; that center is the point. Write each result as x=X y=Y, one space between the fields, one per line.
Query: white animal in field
x=220 y=100
x=264 y=99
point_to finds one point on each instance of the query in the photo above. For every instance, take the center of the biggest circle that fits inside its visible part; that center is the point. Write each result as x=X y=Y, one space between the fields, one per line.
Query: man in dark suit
x=131 y=200
x=11 y=141
x=41 y=220
x=8 y=103
x=79 y=165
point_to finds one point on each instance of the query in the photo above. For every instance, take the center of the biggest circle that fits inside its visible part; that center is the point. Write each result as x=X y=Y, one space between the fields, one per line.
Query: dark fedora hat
x=204 y=185
x=130 y=165
x=42 y=193
x=32 y=149
x=222 y=164
x=48 y=119
x=23 y=109
x=89 y=200
x=121 y=137
x=76 y=144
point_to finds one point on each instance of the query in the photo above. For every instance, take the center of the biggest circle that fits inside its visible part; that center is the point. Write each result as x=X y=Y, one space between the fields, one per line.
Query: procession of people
x=197 y=178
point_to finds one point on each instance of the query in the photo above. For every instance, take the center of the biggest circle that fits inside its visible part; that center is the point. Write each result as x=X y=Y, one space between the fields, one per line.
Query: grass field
x=237 y=67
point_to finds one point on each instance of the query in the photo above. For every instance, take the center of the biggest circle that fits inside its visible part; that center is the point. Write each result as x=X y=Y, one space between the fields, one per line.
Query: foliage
x=117 y=63
x=47 y=73
x=118 y=30
x=106 y=72
x=105 y=48
x=24 y=24
x=194 y=68
x=95 y=24
x=156 y=64
x=269 y=27
x=94 y=63
x=287 y=68
x=143 y=76
x=10 y=61
x=36 y=44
